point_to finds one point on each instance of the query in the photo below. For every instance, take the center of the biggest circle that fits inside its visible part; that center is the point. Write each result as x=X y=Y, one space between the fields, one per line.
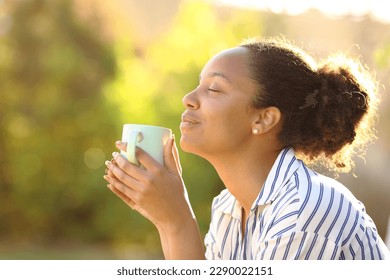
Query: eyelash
x=213 y=90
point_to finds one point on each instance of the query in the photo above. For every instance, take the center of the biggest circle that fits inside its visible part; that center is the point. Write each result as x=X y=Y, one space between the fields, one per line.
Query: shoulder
x=327 y=207
x=319 y=191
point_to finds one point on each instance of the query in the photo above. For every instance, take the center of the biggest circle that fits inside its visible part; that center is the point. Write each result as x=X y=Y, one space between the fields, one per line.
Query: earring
x=255 y=131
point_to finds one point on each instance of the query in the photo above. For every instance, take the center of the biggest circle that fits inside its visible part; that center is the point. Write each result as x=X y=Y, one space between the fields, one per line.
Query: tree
x=55 y=124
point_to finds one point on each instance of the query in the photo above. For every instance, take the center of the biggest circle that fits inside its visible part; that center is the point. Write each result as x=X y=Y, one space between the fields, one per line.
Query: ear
x=266 y=119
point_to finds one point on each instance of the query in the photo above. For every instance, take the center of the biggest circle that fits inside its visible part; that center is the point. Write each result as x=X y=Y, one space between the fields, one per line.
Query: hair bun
x=340 y=86
x=343 y=103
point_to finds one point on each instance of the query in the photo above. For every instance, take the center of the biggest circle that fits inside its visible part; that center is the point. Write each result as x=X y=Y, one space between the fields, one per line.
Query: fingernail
x=118 y=143
x=115 y=154
x=106 y=178
x=107 y=163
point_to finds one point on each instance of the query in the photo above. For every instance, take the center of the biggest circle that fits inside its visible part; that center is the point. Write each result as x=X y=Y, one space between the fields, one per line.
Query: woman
x=258 y=108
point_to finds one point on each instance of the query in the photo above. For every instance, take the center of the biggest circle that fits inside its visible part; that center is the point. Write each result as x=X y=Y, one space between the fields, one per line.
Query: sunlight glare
x=375 y=8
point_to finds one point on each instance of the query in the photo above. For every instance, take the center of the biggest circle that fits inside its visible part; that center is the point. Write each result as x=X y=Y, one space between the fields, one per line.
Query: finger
x=146 y=160
x=177 y=158
x=121 y=176
x=110 y=174
x=122 y=196
x=169 y=158
x=129 y=168
x=121 y=145
x=121 y=187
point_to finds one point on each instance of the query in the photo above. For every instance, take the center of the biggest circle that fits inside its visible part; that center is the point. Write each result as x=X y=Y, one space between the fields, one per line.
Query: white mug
x=151 y=139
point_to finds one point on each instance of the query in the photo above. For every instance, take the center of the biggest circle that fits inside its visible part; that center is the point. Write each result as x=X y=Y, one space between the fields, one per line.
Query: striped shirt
x=305 y=216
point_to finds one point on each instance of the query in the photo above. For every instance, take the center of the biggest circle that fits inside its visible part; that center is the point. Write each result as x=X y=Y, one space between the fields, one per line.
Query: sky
x=377 y=9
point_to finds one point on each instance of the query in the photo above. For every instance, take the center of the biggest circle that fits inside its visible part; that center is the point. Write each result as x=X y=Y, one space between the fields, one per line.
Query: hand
x=155 y=191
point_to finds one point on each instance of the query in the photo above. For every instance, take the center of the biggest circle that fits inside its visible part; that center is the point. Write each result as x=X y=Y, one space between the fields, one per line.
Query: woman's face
x=219 y=114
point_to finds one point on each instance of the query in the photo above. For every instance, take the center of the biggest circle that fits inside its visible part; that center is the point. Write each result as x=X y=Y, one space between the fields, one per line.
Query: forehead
x=231 y=63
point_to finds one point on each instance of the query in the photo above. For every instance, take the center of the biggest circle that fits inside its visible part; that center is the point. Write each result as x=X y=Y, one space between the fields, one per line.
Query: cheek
x=235 y=121
x=228 y=129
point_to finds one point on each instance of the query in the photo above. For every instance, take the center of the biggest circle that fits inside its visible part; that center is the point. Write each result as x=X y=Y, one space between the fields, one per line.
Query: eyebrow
x=216 y=74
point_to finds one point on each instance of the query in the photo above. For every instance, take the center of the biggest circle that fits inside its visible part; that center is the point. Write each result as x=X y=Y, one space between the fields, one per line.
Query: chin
x=184 y=145
x=188 y=146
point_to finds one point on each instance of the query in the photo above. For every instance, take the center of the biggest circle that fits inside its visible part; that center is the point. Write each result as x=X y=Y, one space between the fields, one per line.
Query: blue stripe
x=352 y=252
x=220 y=221
x=294 y=201
x=293 y=213
x=351 y=230
x=232 y=207
x=261 y=194
x=300 y=246
x=296 y=178
x=255 y=220
x=225 y=236
x=315 y=208
x=373 y=235
x=334 y=253
x=236 y=246
x=337 y=216
x=246 y=237
x=284 y=230
x=261 y=226
x=277 y=173
x=276 y=177
x=344 y=224
x=322 y=250
x=379 y=252
x=265 y=249
x=311 y=247
x=280 y=200
x=275 y=248
x=369 y=245
x=290 y=241
x=222 y=200
x=309 y=186
x=361 y=247
x=288 y=168
x=342 y=256
x=326 y=212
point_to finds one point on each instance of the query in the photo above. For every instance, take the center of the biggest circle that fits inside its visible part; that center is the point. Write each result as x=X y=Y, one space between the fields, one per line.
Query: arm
x=158 y=193
x=183 y=243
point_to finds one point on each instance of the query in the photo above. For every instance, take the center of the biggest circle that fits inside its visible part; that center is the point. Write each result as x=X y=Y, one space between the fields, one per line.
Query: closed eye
x=213 y=90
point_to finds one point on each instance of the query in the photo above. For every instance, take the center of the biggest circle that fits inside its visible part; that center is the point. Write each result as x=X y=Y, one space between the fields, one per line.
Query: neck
x=244 y=173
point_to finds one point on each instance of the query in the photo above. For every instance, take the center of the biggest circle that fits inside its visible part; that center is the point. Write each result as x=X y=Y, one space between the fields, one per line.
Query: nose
x=190 y=100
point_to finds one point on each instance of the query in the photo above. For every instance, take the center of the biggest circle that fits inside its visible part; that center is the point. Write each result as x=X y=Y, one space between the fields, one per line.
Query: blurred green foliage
x=54 y=123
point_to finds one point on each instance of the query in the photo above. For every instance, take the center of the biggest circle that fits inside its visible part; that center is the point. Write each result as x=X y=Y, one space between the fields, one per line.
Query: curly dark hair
x=328 y=107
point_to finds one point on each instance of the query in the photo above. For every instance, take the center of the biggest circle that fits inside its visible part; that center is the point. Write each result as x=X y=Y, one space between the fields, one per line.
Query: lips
x=188 y=121
x=185 y=118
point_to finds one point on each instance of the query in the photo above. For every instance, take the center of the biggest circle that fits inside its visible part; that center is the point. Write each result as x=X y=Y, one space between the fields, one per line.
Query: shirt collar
x=283 y=168
x=228 y=204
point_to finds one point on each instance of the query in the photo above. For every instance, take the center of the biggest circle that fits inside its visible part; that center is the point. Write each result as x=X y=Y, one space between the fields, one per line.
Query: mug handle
x=134 y=138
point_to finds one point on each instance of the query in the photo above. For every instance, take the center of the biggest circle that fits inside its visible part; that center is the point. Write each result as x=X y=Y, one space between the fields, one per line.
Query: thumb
x=121 y=145
x=171 y=157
